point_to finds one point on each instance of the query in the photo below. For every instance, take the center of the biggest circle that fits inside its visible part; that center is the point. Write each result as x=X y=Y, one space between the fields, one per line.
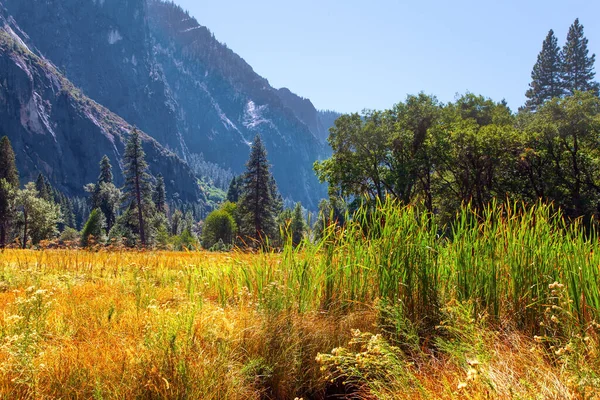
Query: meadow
x=503 y=304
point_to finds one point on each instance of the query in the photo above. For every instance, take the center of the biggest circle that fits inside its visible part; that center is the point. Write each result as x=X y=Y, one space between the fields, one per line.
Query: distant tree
x=218 y=225
x=332 y=211
x=106 y=175
x=297 y=225
x=137 y=182
x=177 y=222
x=578 y=67
x=94 y=227
x=9 y=183
x=43 y=187
x=546 y=75
x=160 y=195
x=233 y=193
x=276 y=196
x=39 y=217
x=104 y=194
x=256 y=205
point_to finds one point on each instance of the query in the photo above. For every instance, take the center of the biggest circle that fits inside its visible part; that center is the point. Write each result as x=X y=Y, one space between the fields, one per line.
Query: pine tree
x=256 y=205
x=8 y=166
x=9 y=183
x=546 y=75
x=137 y=181
x=160 y=195
x=297 y=225
x=233 y=193
x=276 y=196
x=106 y=175
x=578 y=68
x=43 y=187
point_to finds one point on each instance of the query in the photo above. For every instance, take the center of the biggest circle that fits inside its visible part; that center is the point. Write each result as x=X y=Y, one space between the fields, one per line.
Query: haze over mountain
x=154 y=66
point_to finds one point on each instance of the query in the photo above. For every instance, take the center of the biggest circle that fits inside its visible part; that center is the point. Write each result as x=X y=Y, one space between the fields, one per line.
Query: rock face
x=58 y=131
x=151 y=63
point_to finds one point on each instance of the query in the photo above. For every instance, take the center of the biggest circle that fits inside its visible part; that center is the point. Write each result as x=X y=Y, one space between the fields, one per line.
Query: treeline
x=474 y=150
x=137 y=214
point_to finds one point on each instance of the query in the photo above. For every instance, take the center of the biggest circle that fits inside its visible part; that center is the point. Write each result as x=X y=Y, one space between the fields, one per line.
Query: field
x=503 y=305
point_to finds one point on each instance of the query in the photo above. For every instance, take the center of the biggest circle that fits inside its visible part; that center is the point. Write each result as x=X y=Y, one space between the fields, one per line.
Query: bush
x=94 y=227
x=219 y=225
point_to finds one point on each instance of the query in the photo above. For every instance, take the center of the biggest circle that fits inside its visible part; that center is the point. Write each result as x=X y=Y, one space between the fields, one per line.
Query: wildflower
x=461 y=385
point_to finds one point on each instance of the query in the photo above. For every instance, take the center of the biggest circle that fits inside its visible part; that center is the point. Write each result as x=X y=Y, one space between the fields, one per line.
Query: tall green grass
x=502 y=259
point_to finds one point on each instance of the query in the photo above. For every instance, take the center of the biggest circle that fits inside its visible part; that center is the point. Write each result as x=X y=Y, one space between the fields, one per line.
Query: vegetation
x=504 y=308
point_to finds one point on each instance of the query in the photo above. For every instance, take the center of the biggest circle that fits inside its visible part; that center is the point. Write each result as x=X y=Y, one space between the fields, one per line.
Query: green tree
x=94 y=228
x=137 y=182
x=39 y=217
x=480 y=148
x=561 y=159
x=578 y=67
x=546 y=75
x=297 y=225
x=177 y=222
x=218 y=225
x=43 y=187
x=104 y=194
x=160 y=195
x=256 y=204
x=233 y=193
x=9 y=183
x=106 y=175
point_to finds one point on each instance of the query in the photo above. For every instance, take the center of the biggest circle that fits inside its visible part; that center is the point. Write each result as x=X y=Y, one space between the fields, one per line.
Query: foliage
x=218 y=226
x=93 y=231
x=38 y=217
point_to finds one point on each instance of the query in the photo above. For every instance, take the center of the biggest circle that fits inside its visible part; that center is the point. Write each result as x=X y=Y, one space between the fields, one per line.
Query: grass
x=503 y=305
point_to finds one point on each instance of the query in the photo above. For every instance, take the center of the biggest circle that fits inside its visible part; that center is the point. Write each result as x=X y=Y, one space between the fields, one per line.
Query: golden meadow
x=504 y=304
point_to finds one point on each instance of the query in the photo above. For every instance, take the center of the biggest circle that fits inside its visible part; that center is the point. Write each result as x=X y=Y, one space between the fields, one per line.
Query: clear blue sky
x=349 y=55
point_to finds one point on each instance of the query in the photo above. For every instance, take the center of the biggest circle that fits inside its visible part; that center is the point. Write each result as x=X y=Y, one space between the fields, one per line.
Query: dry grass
x=104 y=325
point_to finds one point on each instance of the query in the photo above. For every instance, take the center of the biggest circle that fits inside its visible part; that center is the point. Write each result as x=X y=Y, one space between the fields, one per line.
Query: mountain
x=56 y=130
x=152 y=64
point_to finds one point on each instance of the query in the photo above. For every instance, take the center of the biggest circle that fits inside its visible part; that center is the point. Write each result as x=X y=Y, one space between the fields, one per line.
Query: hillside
x=56 y=130
x=156 y=67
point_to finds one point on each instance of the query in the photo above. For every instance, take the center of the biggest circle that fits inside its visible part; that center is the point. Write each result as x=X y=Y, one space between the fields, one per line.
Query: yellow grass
x=107 y=325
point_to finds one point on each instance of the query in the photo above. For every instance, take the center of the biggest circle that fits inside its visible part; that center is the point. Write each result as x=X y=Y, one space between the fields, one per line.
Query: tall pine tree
x=546 y=75
x=160 y=195
x=137 y=181
x=105 y=194
x=9 y=183
x=256 y=205
x=578 y=67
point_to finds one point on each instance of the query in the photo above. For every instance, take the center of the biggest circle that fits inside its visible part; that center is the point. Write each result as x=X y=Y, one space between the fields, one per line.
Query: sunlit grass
x=503 y=304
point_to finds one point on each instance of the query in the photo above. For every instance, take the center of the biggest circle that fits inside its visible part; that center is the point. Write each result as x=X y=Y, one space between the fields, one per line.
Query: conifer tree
x=276 y=196
x=43 y=187
x=137 y=181
x=256 y=205
x=233 y=193
x=546 y=75
x=106 y=175
x=578 y=67
x=297 y=225
x=94 y=228
x=9 y=183
x=160 y=195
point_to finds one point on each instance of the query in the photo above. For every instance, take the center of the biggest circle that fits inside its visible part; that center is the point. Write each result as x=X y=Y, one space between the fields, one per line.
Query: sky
x=349 y=55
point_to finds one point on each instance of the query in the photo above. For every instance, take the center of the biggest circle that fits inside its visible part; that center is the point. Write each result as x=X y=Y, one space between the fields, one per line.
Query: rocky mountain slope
x=154 y=65
x=58 y=131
